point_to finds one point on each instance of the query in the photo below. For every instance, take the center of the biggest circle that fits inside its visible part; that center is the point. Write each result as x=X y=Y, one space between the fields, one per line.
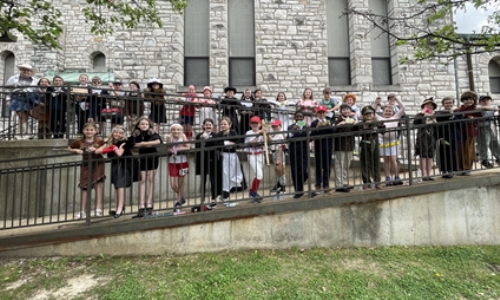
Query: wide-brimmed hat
x=27 y=66
x=367 y=110
x=229 y=88
x=154 y=80
x=427 y=101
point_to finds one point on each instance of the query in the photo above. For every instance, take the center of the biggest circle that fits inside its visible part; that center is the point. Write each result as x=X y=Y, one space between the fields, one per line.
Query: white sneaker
x=80 y=215
x=98 y=212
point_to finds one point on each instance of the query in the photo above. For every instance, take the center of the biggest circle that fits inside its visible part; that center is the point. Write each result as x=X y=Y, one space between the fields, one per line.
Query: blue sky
x=472 y=19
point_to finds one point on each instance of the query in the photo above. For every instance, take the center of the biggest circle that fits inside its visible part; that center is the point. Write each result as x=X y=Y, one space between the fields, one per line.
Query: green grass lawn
x=383 y=273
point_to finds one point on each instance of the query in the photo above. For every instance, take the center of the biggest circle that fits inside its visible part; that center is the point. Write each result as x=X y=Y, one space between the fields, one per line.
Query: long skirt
x=232 y=174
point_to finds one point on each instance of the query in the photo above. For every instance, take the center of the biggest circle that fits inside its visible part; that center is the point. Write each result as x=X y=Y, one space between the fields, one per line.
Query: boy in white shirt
x=277 y=150
x=255 y=156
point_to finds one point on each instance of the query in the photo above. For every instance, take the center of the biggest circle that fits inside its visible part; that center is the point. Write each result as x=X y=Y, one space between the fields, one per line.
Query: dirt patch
x=75 y=287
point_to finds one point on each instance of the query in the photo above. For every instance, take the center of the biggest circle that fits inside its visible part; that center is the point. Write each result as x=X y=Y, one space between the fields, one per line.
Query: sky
x=473 y=19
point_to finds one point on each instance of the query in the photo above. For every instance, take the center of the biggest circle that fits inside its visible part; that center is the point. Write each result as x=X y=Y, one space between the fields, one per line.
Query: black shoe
x=448 y=176
x=487 y=164
x=112 y=213
x=275 y=188
x=348 y=187
x=343 y=190
x=116 y=215
x=140 y=214
x=298 y=196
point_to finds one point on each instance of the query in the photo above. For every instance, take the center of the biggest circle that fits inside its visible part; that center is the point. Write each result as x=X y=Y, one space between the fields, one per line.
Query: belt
x=254 y=153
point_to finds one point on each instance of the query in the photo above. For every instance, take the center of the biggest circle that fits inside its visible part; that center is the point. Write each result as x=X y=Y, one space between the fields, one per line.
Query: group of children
x=216 y=153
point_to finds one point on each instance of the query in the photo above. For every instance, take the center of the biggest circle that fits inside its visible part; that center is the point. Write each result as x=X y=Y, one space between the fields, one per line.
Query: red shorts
x=178 y=170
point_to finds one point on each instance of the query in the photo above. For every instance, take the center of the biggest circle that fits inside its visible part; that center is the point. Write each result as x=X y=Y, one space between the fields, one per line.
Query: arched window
x=99 y=62
x=494 y=73
x=9 y=66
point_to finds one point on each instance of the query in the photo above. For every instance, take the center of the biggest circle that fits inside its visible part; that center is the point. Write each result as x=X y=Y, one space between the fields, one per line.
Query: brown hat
x=467 y=95
x=429 y=100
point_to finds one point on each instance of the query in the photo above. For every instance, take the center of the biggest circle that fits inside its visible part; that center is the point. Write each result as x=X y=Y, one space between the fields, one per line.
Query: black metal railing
x=324 y=160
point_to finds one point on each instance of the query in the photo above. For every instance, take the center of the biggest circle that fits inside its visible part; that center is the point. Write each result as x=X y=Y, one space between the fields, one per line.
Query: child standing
x=85 y=146
x=369 y=155
x=307 y=105
x=330 y=103
x=448 y=133
x=207 y=108
x=119 y=150
x=156 y=95
x=211 y=162
x=188 y=111
x=232 y=174
x=323 y=131
x=344 y=148
x=281 y=109
x=468 y=133
x=389 y=141
x=298 y=151
x=255 y=152
x=146 y=139
x=487 y=138
x=426 y=137
x=277 y=149
x=350 y=99
x=178 y=166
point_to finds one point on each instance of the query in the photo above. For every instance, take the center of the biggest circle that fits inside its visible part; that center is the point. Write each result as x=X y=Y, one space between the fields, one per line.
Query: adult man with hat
x=21 y=97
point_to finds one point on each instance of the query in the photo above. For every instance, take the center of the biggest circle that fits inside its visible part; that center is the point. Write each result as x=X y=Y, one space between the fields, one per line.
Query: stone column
x=219 y=65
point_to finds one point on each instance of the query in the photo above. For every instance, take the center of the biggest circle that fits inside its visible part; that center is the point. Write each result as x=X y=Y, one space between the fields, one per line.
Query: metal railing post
x=408 y=149
x=89 y=188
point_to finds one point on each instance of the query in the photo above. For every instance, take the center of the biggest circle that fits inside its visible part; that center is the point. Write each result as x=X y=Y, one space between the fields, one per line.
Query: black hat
x=229 y=88
x=484 y=97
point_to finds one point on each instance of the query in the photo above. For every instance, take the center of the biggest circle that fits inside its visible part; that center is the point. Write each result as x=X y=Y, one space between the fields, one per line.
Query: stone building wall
x=291 y=52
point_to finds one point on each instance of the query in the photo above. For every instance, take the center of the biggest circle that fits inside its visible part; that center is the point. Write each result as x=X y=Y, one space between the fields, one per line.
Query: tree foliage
x=428 y=27
x=40 y=20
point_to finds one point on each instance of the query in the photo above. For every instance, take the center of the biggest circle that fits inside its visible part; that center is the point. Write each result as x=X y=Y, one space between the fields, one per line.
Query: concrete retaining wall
x=449 y=217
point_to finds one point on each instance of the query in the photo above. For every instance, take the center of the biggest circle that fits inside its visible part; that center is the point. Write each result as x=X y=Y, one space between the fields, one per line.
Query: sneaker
x=319 y=191
x=388 y=181
x=275 y=188
x=487 y=164
x=213 y=203
x=497 y=161
x=80 y=215
x=98 y=212
x=397 y=181
x=281 y=189
x=255 y=197
x=183 y=200
x=225 y=200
